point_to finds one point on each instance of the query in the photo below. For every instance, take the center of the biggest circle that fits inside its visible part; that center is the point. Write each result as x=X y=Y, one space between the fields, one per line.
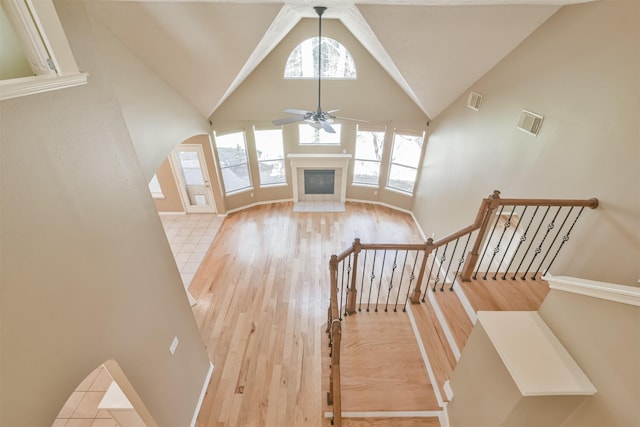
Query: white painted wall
x=580 y=70
x=86 y=273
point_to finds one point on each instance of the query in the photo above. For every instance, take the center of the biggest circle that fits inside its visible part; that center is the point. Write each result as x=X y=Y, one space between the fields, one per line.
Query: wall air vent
x=474 y=101
x=530 y=122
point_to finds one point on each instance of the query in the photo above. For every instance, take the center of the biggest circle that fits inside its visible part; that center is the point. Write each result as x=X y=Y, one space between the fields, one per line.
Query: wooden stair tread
x=388 y=422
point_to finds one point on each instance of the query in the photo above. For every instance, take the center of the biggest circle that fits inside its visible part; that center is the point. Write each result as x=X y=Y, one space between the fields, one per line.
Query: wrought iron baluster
x=486 y=246
x=393 y=271
x=532 y=240
x=364 y=269
x=443 y=258
x=404 y=267
x=565 y=239
x=384 y=257
x=341 y=288
x=460 y=261
x=411 y=279
x=496 y=250
x=373 y=276
x=551 y=245
x=453 y=254
x=346 y=311
x=506 y=250
x=537 y=251
x=435 y=255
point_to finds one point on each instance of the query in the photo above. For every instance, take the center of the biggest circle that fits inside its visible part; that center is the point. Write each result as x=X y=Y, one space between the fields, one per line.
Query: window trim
x=392 y=163
x=314 y=67
x=283 y=159
x=356 y=159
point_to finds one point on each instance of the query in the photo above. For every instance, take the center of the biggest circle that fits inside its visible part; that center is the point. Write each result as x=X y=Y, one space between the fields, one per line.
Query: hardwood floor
x=263 y=292
x=262 y=295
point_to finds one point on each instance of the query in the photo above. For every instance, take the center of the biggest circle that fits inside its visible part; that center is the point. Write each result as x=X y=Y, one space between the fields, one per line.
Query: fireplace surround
x=336 y=162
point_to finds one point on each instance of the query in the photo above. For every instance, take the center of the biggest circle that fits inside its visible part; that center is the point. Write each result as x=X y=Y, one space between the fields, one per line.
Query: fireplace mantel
x=337 y=162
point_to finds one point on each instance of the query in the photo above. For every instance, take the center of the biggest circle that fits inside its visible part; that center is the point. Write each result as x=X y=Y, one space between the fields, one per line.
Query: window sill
x=239 y=191
x=402 y=192
x=279 y=184
x=361 y=184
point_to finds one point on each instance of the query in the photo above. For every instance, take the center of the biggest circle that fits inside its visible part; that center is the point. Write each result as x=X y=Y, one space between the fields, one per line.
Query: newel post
x=333 y=298
x=428 y=248
x=352 y=292
x=487 y=209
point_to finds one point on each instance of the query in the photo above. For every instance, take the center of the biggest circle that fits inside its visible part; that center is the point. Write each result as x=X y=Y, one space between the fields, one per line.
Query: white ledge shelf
x=606 y=291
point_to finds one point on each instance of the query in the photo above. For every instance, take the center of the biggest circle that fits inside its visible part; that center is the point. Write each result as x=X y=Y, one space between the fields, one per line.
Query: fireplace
x=319 y=177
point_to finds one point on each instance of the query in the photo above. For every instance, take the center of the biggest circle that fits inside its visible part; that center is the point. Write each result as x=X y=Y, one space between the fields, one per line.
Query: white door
x=191 y=173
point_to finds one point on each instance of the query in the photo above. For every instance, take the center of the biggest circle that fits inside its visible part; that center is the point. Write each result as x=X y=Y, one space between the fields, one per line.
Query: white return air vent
x=474 y=101
x=530 y=122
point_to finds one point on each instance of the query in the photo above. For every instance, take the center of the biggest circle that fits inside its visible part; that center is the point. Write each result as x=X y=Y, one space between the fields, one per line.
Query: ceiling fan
x=318 y=119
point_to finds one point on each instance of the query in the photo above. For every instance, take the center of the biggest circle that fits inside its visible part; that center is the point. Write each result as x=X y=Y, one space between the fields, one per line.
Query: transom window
x=366 y=166
x=234 y=164
x=337 y=62
x=405 y=157
x=270 y=152
x=311 y=135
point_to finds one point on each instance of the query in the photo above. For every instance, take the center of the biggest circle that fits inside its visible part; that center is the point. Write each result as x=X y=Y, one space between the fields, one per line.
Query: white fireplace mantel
x=338 y=162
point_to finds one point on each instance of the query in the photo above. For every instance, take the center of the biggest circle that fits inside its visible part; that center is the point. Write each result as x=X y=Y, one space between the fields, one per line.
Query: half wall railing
x=509 y=239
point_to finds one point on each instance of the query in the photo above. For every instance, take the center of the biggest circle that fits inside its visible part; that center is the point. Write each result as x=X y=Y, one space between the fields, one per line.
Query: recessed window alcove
x=319 y=179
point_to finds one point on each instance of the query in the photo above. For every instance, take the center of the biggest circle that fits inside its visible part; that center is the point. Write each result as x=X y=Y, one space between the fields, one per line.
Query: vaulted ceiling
x=433 y=49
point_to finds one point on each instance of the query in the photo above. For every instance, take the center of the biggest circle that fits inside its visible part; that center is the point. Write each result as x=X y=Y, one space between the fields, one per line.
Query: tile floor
x=190 y=237
x=81 y=409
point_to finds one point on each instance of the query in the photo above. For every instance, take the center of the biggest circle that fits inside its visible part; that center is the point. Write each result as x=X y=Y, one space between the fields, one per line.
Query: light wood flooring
x=262 y=293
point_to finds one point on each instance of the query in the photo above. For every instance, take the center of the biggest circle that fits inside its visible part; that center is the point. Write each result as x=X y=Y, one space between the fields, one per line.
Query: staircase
x=399 y=317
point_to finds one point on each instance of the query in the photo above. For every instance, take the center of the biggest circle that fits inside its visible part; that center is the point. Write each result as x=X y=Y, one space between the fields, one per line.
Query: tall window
x=232 y=152
x=337 y=62
x=366 y=166
x=311 y=135
x=270 y=151
x=405 y=156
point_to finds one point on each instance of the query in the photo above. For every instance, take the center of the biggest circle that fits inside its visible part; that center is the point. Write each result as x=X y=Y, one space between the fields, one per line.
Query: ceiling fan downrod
x=319 y=10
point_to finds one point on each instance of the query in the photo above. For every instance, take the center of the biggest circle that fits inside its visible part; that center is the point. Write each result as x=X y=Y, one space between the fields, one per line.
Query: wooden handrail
x=589 y=203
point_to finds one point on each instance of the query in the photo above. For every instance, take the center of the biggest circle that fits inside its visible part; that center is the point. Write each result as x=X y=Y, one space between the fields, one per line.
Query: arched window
x=337 y=62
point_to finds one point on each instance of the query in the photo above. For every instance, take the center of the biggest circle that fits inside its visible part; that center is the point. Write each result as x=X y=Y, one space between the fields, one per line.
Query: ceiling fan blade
x=286 y=120
x=296 y=111
x=348 y=118
x=327 y=126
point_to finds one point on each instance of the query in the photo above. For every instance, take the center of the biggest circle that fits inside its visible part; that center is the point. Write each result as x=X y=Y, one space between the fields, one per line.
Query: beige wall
x=580 y=70
x=86 y=272
x=604 y=339
x=264 y=95
x=171 y=201
x=157 y=117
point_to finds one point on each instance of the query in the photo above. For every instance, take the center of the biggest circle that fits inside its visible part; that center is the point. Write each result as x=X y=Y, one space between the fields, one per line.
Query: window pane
x=369 y=145
x=402 y=178
x=406 y=149
x=311 y=135
x=269 y=144
x=154 y=186
x=366 y=172
x=236 y=178
x=337 y=62
x=231 y=149
x=272 y=172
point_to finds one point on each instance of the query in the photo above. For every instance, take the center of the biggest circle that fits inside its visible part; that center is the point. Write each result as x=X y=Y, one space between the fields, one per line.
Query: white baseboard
x=202 y=393
x=268 y=202
x=448 y=390
x=172 y=213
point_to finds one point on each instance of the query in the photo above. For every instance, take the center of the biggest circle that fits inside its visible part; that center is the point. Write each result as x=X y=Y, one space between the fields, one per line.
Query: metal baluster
x=364 y=268
x=373 y=276
x=411 y=279
x=532 y=240
x=443 y=258
x=524 y=211
x=393 y=271
x=551 y=245
x=550 y=227
x=475 y=275
x=565 y=239
x=435 y=255
x=496 y=250
x=404 y=267
x=461 y=260
x=384 y=257
x=453 y=254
